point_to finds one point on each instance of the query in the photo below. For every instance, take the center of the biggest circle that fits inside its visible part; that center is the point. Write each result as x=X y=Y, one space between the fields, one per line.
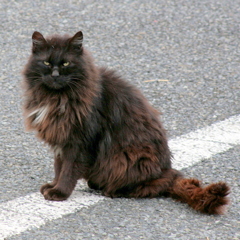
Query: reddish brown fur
x=102 y=129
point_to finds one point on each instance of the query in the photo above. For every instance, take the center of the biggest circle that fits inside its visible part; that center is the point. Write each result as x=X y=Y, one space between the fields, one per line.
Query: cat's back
x=115 y=88
x=124 y=103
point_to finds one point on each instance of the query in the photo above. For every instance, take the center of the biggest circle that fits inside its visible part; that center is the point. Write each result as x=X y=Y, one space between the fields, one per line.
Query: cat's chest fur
x=52 y=122
x=38 y=115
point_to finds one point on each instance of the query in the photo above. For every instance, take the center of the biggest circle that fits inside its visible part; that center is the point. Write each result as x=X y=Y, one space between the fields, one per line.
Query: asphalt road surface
x=185 y=56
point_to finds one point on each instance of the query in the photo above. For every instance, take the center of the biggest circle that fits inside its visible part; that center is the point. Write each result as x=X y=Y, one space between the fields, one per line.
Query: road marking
x=219 y=137
x=32 y=211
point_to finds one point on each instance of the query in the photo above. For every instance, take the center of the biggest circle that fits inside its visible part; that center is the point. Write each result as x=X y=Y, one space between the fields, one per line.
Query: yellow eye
x=46 y=63
x=65 y=64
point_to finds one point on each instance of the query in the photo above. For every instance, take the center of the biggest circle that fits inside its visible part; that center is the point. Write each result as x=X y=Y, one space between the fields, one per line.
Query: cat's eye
x=65 y=64
x=46 y=63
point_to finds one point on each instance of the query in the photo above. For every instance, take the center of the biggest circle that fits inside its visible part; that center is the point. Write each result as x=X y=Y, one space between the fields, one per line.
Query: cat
x=102 y=129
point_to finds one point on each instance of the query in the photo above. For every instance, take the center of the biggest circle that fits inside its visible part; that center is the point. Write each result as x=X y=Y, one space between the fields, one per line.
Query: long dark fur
x=102 y=129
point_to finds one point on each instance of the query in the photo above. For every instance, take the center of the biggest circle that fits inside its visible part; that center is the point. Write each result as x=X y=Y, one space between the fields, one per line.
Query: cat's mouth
x=55 y=82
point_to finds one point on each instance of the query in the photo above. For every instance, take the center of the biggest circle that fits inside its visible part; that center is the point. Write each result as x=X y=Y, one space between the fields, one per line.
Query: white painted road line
x=219 y=137
x=32 y=211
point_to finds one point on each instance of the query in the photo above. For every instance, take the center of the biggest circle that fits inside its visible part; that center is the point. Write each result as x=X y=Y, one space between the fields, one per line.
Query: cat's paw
x=54 y=194
x=45 y=187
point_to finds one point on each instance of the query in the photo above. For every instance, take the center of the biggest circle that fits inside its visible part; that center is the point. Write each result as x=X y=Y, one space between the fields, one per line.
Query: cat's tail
x=211 y=199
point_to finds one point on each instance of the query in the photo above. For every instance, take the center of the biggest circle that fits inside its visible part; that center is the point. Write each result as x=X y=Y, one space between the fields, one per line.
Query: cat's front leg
x=57 y=169
x=66 y=179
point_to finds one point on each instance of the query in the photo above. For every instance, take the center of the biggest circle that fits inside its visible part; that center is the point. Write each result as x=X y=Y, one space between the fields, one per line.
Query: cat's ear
x=39 y=42
x=76 y=41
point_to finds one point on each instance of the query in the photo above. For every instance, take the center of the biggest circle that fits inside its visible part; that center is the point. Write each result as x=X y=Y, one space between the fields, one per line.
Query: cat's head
x=56 y=62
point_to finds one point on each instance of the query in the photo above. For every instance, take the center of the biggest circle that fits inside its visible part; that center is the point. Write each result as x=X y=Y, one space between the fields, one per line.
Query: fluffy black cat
x=102 y=129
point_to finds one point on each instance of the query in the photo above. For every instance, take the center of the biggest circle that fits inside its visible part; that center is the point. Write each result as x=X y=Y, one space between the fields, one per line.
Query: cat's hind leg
x=150 y=189
x=156 y=187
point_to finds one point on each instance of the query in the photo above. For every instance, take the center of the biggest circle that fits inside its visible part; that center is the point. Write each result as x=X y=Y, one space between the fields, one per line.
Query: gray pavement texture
x=194 y=45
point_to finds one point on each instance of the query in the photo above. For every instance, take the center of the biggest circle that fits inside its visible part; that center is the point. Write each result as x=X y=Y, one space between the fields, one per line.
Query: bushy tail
x=210 y=199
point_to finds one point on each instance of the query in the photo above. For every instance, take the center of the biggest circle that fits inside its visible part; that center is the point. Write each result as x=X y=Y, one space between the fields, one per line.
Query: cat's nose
x=55 y=73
